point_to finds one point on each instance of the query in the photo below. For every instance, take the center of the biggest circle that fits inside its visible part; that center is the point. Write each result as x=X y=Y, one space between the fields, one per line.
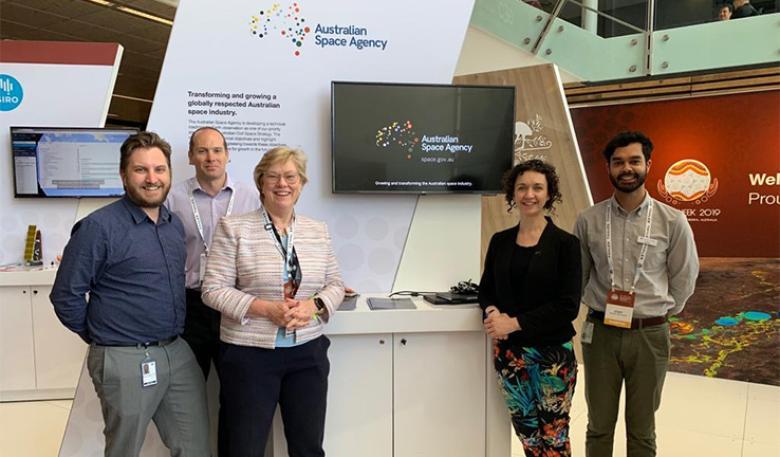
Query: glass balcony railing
x=600 y=40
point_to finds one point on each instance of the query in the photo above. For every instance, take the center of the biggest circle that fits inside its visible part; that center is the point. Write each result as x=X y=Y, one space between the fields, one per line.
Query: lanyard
x=286 y=251
x=642 y=252
x=199 y=222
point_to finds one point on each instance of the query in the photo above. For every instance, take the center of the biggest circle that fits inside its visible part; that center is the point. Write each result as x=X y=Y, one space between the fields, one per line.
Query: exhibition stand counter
x=39 y=358
x=409 y=382
x=403 y=382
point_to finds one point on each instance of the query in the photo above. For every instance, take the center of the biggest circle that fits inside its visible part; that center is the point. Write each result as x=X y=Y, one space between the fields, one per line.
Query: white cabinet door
x=359 y=421
x=59 y=353
x=17 y=358
x=439 y=387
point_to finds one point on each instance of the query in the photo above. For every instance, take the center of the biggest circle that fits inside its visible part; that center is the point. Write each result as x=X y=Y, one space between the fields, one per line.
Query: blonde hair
x=280 y=154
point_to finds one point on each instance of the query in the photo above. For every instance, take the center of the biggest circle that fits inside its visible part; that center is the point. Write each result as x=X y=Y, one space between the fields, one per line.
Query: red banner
x=716 y=158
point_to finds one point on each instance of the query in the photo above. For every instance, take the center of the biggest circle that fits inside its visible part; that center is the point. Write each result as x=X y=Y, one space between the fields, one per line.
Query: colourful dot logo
x=280 y=22
x=400 y=134
x=11 y=93
x=688 y=181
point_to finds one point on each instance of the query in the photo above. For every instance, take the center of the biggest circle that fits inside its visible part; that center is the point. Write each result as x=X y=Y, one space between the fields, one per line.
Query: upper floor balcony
x=600 y=40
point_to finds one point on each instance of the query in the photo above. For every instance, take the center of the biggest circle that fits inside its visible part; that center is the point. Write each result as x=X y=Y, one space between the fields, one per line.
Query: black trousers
x=254 y=380
x=201 y=331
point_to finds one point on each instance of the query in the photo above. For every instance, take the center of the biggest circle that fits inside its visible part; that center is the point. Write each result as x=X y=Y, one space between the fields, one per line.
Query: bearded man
x=120 y=287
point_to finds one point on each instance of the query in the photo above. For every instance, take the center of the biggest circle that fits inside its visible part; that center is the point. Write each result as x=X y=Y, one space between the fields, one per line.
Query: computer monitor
x=421 y=138
x=67 y=162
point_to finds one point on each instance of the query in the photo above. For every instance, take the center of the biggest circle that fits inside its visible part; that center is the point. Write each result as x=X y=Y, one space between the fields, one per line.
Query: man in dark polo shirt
x=120 y=287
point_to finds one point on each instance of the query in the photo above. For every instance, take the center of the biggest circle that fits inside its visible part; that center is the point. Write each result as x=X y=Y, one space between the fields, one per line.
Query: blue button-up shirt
x=121 y=280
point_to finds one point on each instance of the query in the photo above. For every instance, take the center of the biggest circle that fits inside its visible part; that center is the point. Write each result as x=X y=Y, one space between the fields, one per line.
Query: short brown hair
x=142 y=140
x=192 y=137
x=553 y=186
x=280 y=154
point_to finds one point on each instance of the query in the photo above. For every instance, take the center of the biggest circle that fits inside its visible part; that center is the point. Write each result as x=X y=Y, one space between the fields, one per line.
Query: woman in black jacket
x=530 y=293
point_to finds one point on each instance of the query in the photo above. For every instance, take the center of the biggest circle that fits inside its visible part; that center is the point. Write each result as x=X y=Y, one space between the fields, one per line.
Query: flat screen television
x=421 y=138
x=67 y=162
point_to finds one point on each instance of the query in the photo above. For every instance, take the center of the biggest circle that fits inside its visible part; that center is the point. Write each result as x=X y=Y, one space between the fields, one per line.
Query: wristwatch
x=321 y=308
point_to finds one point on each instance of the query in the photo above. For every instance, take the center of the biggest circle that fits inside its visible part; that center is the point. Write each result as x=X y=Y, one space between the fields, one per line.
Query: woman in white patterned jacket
x=274 y=277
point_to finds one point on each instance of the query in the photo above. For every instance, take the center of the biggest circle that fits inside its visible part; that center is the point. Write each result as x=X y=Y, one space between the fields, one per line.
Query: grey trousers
x=176 y=404
x=637 y=357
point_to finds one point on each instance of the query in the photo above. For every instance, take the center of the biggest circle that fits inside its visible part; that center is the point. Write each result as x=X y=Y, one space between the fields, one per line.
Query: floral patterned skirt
x=538 y=385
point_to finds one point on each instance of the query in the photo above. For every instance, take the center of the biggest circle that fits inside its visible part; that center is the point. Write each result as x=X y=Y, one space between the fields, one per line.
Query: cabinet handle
x=24 y=291
x=35 y=292
x=403 y=341
x=381 y=341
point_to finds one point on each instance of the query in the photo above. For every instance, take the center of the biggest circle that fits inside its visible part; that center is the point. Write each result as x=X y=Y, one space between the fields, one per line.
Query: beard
x=639 y=181
x=135 y=194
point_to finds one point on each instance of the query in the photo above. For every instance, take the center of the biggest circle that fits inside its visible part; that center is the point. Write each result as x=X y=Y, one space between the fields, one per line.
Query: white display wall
x=218 y=56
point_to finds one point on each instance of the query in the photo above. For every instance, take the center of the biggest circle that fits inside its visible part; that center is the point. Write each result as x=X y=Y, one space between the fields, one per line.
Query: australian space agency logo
x=530 y=142
x=435 y=147
x=688 y=181
x=287 y=24
x=398 y=134
x=11 y=93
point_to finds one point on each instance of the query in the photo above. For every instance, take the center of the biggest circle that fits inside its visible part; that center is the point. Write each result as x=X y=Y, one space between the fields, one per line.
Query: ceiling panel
x=149 y=73
x=84 y=31
x=125 y=23
x=134 y=88
x=35 y=18
x=136 y=44
x=136 y=60
x=154 y=7
x=128 y=111
x=158 y=54
x=64 y=8
x=16 y=31
x=155 y=32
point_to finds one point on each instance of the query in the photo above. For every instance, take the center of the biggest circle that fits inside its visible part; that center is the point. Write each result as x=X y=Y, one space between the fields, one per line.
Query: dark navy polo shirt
x=121 y=279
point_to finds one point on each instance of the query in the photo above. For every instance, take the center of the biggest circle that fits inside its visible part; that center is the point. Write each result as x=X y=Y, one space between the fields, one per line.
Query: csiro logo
x=11 y=93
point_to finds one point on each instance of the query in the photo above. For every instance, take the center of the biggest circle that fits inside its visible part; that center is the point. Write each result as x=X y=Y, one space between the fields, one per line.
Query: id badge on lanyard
x=619 y=306
x=199 y=226
x=202 y=272
x=148 y=371
x=293 y=281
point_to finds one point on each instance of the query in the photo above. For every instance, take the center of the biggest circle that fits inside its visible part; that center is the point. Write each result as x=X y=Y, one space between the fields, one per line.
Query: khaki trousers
x=639 y=358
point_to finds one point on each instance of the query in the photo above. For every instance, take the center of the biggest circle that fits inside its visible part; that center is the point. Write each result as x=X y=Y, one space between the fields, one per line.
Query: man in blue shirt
x=120 y=287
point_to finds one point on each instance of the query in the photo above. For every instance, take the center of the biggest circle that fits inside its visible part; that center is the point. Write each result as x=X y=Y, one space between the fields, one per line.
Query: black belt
x=635 y=323
x=162 y=342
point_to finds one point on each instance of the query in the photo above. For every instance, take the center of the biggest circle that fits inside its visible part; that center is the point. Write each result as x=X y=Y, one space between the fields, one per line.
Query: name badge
x=148 y=372
x=202 y=273
x=647 y=240
x=620 y=308
x=587 y=332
